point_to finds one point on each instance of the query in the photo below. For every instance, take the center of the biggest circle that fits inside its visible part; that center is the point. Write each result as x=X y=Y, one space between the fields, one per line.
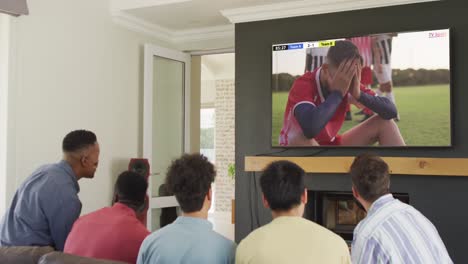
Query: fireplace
x=338 y=211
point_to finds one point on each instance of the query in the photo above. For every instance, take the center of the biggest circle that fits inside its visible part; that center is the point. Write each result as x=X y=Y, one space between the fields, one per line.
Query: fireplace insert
x=338 y=211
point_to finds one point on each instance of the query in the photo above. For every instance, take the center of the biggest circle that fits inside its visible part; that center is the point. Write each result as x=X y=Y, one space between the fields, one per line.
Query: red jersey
x=112 y=233
x=308 y=90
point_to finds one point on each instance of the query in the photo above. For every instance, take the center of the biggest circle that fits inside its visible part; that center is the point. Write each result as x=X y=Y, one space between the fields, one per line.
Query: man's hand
x=356 y=82
x=343 y=76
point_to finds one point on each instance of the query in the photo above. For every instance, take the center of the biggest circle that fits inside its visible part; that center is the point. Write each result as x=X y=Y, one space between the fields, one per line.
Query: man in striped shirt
x=392 y=232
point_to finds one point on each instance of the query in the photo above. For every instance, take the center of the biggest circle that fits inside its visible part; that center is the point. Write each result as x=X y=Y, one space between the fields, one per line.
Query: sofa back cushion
x=62 y=258
x=26 y=255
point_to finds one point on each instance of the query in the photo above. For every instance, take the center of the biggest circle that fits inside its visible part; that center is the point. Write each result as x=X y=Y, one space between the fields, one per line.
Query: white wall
x=4 y=48
x=74 y=68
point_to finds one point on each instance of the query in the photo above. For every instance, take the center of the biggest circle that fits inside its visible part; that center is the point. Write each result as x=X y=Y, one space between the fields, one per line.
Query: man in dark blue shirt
x=46 y=205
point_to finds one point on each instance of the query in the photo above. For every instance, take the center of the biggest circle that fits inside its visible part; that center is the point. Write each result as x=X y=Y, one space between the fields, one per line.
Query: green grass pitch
x=424 y=113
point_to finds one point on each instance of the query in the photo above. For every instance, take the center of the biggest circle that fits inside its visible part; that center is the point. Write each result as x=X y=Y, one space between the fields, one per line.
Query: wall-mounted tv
x=390 y=90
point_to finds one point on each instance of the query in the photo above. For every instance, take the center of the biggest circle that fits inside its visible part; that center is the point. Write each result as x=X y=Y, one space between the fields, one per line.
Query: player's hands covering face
x=342 y=78
x=356 y=82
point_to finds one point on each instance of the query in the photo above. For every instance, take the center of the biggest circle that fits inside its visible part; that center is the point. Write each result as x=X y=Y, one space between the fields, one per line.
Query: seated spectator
x=113 y=233
x=168 y=214
x=392 y=232
x=190 y=239
x=289 y=238
x=46 y=204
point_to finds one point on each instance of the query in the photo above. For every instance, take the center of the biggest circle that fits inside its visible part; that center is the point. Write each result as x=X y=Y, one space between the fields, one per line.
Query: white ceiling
x=194 y=14
x=208 y=24
x=215 y=67
x=218 y=66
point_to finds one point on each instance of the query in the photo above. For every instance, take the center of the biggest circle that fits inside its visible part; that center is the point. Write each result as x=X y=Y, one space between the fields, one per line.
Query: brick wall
x=224 y=143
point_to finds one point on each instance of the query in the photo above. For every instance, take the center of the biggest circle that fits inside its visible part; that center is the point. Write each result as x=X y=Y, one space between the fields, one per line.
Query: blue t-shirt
x=187 y=240
x=43 y=209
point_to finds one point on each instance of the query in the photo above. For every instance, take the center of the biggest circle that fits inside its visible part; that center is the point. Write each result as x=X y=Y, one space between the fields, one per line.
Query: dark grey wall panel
x=442 y=199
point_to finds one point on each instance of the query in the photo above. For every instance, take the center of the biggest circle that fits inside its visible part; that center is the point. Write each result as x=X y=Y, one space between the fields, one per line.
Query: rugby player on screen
x=317 y=104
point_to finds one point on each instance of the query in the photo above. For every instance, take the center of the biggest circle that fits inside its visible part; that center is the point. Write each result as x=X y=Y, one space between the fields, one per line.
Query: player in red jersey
x=317 y=104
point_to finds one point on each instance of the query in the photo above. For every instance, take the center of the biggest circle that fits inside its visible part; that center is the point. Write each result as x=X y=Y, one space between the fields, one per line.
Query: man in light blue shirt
x=190 y=239
x=392 y=232
x=46 y=204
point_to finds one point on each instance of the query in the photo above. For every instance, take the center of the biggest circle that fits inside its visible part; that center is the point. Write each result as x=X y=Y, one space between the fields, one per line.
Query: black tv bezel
x=326 y=147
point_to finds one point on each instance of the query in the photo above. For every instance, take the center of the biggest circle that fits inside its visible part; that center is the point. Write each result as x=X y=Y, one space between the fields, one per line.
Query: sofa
x=44 y=255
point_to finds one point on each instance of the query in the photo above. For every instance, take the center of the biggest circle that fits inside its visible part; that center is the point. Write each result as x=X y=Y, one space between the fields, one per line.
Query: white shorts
x=386 y=75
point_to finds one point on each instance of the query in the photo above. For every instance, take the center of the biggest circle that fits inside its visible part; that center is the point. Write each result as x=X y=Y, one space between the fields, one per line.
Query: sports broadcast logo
x=437 y=34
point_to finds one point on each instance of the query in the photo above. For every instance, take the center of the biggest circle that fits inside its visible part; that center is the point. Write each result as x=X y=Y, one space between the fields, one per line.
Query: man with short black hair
x=190 y=239
x=392 y=232
x=289 y=238
x=46 y=204
x=113 y=233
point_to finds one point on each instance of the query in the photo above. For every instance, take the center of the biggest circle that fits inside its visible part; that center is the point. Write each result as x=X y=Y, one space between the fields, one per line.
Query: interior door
x=166 y=124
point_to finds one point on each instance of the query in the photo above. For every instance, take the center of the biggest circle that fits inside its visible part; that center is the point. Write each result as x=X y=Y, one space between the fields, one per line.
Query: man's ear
x=209 y=195
x=115 y=198
x=355 y=192
x=83 y=160
x=325 y=67
x=265 y=202
x=304 y=197
x=326 y=72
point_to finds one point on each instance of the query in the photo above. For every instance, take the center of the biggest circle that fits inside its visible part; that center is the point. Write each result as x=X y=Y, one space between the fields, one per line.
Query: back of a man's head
x=189 y=178
x=130 y=189
x=78 y=140
x=282 y=184
x=341 y=51
x=370 y=176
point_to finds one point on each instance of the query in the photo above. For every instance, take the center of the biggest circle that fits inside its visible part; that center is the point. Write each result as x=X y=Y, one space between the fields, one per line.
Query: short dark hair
x=189 y=178
x=342 y=50
x=282 y=184
x=370 y=176
x=130 y=188
x=77 y=140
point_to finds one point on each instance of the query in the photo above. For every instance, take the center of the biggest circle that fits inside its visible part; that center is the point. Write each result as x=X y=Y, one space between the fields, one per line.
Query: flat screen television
x=383 y=90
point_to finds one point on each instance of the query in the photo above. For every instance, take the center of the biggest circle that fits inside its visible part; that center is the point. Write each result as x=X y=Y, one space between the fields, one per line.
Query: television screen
x=390 y=89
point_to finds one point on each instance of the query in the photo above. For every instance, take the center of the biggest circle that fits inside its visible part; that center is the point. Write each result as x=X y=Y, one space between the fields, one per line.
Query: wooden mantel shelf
x=398 y=165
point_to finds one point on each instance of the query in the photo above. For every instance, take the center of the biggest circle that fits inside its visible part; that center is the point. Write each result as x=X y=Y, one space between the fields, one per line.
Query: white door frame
x=5 y=42
x=149 y=52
